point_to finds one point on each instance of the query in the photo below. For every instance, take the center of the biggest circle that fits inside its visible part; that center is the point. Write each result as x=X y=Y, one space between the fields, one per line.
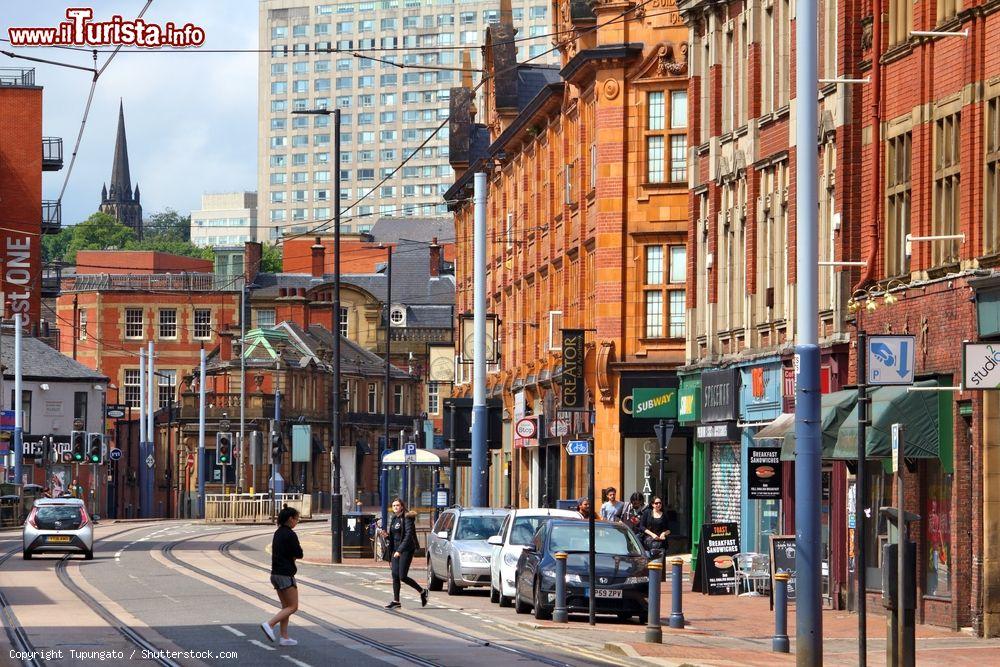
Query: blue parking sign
x=890 y=359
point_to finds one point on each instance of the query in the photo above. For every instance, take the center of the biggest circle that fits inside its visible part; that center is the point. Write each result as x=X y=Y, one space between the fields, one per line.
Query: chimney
x=435 y=258
x=317 y=259
x=252 y=253
x=225 y=346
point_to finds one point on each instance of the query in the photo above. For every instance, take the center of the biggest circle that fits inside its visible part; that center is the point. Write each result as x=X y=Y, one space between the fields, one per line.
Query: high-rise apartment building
x=389 y=66
x=225 y=219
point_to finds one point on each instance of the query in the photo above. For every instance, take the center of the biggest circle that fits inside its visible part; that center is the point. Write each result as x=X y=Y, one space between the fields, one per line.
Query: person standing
x=613 y=508
x=632 y=514
x=285 y=549
x=654 y=526
x=402 y=536
x=583 y=507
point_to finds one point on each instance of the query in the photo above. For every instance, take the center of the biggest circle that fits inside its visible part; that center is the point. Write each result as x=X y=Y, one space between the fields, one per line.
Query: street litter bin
x=357 y=541
x=10 y=511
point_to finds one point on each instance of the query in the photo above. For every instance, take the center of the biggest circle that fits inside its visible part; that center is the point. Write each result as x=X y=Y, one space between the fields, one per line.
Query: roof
x=394 y=230
x=531 y=78
x=353 y=357
x=41 y=362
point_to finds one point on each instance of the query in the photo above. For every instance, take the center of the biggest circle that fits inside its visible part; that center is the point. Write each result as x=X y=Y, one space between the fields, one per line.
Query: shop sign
x=558 y=428
x=631 y=424
x=981 y=365
x=722 y=432
x=718 y=395
x=787 y=389
x=783 y=560
x=689 y=401
x=763 y=473
x=719 y=543
x=654 y=403
x=526 y=428
x=574 y=394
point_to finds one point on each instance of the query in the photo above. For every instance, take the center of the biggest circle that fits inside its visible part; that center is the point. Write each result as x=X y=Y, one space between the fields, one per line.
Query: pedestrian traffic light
x=223 y=448
x=78 y=441
x=95 y=448
x=277 y=446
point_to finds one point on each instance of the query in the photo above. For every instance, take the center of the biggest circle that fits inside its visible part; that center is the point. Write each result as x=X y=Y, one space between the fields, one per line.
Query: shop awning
x=778 y=429
x=834 y=408
x=918 y=410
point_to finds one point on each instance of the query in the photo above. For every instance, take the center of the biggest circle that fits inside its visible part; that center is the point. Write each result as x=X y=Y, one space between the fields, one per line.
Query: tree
x=168 y=225
x=54 y=246
x=98 y=232
x=270 y=260
x=185 y=248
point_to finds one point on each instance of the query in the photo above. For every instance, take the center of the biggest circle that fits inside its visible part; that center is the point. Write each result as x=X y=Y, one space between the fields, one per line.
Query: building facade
x=225 y=219
x=119 y=199
x=392 y=103
x=587 y=207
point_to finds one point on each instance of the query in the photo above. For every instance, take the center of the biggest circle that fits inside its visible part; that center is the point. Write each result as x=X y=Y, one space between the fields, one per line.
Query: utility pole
x=202 y=464
x=18 y=402
x=480 y=472
x=150 y=426
x=383 y=474
x=336 y=498
x=241 y=466
x=861 y=496
x=809 y=619
x=143 y=470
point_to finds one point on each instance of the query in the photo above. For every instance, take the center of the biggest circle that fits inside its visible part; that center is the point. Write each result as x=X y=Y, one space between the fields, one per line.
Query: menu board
x=783 y=560
x=719 y=543
x=763 y=473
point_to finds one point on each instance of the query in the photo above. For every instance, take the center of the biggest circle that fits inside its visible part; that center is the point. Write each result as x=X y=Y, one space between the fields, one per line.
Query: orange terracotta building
x=587 y=223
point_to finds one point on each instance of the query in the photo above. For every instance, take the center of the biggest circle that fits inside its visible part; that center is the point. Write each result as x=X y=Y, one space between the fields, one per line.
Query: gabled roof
x=353 y=358
x=42 y=362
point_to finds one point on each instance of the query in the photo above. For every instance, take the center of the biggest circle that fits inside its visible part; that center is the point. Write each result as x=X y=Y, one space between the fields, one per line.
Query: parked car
x=518 y=529
x=621 y=570
x=59 y=525
x=457 y=548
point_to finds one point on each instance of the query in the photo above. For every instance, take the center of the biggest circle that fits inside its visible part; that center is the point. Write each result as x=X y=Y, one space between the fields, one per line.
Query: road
x=182 y=593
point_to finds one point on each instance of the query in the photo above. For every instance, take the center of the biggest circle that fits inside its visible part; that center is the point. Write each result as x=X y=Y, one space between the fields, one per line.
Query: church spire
x=121 y=182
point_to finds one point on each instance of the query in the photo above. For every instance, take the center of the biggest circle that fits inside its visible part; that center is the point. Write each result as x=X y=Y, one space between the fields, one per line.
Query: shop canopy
x=834 y=409
x=917 y=410
x=422 y=457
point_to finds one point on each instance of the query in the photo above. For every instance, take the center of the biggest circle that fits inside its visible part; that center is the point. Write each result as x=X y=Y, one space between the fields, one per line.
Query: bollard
x=677 y=589
x=779 y=643
x=654 y=633
x=560 y=613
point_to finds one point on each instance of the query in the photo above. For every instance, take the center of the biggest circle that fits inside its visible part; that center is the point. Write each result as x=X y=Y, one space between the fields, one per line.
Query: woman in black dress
x=285 y=549
x=654 y=526
x=402 y=536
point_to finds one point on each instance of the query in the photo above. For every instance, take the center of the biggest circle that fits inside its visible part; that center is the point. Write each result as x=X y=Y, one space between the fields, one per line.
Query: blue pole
x=480 y=472
x=560 y=614
x=779 y=642
x=654 y=631
x=809 y=619
x=202 y=463
x=676 y=593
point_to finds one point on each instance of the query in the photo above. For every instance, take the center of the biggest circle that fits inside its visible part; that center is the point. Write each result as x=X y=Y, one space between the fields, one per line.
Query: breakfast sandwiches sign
x=763 y=473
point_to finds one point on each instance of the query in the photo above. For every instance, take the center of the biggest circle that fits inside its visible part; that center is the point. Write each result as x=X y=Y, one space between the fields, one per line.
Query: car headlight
x=550 y=574
x=472 y=557
x=572 y=578
x=636 y=580
x=510 y=559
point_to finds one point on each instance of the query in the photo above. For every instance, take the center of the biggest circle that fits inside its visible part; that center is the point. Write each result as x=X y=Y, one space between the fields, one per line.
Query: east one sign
x=654 y=403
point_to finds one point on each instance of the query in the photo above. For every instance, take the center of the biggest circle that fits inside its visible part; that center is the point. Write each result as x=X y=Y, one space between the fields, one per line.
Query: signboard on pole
x=574 y=389
x=115 y=410
x=578 y=447
x=981 y=366
x=898 y=443
x=763 y=473
x=890 y=359
x=526 y=428
x=301 y=443
x=410 y=452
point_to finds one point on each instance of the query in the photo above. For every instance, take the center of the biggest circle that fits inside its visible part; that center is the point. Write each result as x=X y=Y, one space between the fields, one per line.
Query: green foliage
x=168 y=225
x=185 y=248
x=270 y=261
x=98 y=232
x=54 y=246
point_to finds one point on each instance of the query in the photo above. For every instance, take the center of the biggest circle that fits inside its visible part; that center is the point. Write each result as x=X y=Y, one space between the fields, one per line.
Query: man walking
x=613 y=508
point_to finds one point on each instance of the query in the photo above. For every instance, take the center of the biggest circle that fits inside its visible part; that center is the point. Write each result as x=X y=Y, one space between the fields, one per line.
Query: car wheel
x=643 y=617
x=433 y=583
x=541 y=612
x=505 y=600
x=520 y=606
x=89 y=554
x=26 y=554
x=494 y=595
x=453 y=588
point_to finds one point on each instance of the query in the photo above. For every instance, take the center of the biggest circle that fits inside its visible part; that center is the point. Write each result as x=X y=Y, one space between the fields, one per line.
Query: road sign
x=410 y=452
x=190 y=462
x=890 y=359
x=526 y=428
x=115 y=410
x=898 y=443
x=115 y=454
x=981 y=365
x=578 y=447
x=559 y=427
x=7 y=420
x=150 y=461
x=224 y=424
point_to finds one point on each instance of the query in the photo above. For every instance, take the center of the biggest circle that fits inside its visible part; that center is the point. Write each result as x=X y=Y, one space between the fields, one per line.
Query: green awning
x=918 y=410
x=835 y=408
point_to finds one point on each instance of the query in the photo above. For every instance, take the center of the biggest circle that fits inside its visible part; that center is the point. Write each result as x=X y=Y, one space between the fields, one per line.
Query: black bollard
x=560 y=613
x=779 y=643
x=677 y=590
x=654 y=633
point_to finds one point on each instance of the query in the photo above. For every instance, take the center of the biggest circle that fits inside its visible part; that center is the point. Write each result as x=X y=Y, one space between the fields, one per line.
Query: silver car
x=58 y=525
x=457 y=551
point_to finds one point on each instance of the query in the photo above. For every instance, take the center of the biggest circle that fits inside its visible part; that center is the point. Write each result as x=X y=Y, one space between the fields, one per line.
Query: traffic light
x=95 y=448
x=223 y=448
x=78 y=441
x=277 y=446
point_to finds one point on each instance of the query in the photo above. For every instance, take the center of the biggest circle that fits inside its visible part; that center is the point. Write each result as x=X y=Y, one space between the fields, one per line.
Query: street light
x=336 y=498
x=383 y=475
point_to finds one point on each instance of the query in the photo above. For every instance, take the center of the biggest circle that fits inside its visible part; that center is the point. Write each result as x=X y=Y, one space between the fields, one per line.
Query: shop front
x=688 y=414
x=718 y=430
x=760 y=403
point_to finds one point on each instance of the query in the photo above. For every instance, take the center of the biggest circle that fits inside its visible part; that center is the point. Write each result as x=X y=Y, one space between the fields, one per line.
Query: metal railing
x=253 y=508
x=51 y=216
x=52 y=153
x=175 y=282
x=17 y=76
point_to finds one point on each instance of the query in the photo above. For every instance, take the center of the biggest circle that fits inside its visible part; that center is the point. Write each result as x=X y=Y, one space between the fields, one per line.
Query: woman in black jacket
x=285 y=549
x=402 y=536
x=654 y=526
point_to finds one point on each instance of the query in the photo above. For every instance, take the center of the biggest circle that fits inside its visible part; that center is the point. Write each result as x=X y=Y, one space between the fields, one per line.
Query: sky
x=191 y=118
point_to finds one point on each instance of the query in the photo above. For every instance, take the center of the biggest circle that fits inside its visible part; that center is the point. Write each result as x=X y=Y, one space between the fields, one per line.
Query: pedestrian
x=75 y=489
x=57 y=487
x=632 y=514
x=583 y=507
x=402 y=536
x=654 y=526
x=285 y=549
x=613 y=508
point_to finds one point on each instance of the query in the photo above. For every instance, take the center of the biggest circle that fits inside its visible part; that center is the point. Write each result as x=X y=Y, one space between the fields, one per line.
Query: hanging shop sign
x=574 y=389
x=981 y=365
x=719 y=395
x=763 y=473
x=657 y=393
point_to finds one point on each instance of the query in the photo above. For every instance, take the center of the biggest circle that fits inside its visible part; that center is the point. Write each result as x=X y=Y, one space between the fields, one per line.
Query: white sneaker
x=287 y=641
x=268 y=630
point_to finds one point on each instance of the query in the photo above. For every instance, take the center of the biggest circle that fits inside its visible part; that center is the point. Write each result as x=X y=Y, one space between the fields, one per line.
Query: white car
x=517 y=530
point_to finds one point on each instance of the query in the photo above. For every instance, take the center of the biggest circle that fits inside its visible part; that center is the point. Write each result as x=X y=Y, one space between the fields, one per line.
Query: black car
x=621 y=570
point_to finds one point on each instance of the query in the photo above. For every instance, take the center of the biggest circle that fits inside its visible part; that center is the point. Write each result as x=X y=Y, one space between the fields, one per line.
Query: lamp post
x=336 y=497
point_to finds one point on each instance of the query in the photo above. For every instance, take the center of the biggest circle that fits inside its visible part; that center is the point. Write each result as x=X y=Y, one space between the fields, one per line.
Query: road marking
x=261 y=644
x=296 y=662
x=234 y=631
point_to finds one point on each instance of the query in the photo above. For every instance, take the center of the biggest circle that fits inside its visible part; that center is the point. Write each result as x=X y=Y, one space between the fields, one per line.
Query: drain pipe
x=876 y=120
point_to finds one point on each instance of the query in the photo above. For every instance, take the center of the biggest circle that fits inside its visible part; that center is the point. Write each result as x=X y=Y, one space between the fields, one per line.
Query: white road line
x=234 y=631
x=261 y=644
x=296 y=662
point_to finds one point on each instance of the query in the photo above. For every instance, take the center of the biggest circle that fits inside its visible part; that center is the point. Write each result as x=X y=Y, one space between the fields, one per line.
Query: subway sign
x=654 y=403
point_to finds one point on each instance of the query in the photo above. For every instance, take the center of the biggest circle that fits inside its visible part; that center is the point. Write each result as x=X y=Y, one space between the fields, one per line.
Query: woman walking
x=402 y=536
x=285 y=549
x=654 y=526
x=632 y=516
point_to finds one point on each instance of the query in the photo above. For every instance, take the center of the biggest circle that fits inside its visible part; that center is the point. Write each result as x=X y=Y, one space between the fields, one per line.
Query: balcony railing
x=160 y=282
x=16 y=76
x=52 y=153
x=51 y=217
x=220 y=405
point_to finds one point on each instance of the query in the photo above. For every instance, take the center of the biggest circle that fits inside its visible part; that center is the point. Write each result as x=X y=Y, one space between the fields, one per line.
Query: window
x=664 y=287
x=947 y=9
x=372 y=398
x=947 y=185
x=937 y=510
x=168 y=323
x=132 y=389
x=897 y=205
x=657 y=128
x=80 y=407
x=433 y=398
x=265 y=317
x=133 y=322
x=397 y=399
x=202 y=323
x=166 y=380
x=901 y=19
x=991 y=219
x=83 y=324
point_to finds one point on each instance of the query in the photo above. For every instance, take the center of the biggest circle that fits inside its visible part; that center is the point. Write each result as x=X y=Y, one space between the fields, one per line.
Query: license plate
x=607 y=593
x=57 y=538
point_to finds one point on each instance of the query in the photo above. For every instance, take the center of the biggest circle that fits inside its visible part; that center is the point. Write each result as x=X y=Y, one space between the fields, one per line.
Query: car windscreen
x=608 y=539
x=478 y=527
x=61 y=517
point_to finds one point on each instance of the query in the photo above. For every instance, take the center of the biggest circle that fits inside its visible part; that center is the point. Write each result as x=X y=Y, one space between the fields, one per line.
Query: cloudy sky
x=191 y=118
